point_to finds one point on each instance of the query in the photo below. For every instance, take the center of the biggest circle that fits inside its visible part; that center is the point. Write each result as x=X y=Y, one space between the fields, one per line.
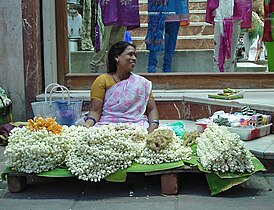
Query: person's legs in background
x=230 y=64
x=152 y=61
x=97 y=59
x=216 y=46
x=171 y=33
x=247 y=43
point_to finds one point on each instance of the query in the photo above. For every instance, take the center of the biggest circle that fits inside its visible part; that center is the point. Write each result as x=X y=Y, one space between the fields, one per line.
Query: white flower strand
x=35 y=151
x=221 y=150
x=104 y=150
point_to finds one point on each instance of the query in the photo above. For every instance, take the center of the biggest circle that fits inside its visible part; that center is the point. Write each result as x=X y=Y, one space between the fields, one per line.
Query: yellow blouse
x=101 y=84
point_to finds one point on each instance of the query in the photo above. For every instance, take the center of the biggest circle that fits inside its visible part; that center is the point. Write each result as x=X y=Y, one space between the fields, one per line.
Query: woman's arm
x=95 y=112
x=153 y=115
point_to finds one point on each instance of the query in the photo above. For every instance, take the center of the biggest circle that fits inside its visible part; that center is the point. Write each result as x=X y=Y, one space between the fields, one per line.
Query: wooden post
x=169 y=184
x=16 y=182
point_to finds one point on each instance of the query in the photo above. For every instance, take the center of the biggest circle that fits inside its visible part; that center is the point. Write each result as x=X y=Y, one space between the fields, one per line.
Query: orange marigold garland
x=49 y=123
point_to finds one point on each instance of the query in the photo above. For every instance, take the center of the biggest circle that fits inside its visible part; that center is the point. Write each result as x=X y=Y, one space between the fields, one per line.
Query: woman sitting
x=121 y=96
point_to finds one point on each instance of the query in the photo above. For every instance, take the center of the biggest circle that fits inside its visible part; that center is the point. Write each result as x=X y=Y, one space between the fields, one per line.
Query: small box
x=201 y=126
x=249 y=133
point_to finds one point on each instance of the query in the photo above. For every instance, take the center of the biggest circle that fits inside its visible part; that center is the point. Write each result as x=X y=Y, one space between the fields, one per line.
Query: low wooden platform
x=17 y=182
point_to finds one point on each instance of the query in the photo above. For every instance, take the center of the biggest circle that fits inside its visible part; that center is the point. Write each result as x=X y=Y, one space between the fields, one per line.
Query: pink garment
x=242 y=11
x=126 y=101
x=225 y=43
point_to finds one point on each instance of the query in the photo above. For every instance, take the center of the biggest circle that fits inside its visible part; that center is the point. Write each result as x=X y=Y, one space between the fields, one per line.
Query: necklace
x=113 y=78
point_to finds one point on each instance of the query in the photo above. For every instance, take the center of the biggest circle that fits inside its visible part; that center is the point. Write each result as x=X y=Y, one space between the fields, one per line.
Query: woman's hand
x=152 y=127
x=152 y=114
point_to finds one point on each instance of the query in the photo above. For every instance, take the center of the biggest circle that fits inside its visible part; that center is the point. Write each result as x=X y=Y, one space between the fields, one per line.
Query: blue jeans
x=171 y=33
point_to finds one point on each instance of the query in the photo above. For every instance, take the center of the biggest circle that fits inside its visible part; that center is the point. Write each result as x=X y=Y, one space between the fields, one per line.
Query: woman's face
x=127 y=60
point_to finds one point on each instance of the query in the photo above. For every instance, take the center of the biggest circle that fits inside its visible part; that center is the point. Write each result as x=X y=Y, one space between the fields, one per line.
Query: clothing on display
x=163 y=26
x=228 y=16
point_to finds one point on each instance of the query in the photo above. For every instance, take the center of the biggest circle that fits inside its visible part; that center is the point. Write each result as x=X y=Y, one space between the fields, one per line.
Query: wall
x=11 y=55
x=20 y=54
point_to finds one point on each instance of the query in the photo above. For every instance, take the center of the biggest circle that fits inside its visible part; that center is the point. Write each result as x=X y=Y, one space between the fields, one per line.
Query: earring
x=117 y=60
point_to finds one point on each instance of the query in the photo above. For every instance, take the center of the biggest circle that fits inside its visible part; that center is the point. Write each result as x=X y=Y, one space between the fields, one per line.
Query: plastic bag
x=65 y=112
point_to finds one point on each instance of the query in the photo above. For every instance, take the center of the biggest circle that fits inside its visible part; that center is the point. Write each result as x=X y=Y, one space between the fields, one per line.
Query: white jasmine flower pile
x=35 y=151
x=223 y=151
x=90 y=153
x=104 y=150
x=163 y=146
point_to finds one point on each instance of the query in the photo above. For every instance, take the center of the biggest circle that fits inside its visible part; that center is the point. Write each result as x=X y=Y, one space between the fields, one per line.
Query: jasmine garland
x=221 y=150
x=104 y=150
x=36 y=151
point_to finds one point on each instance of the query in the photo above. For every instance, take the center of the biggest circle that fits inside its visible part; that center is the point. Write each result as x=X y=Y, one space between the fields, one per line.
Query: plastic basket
x=66 y=112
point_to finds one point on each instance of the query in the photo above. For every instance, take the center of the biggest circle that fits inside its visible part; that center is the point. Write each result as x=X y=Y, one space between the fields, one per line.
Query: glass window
x=81 y=32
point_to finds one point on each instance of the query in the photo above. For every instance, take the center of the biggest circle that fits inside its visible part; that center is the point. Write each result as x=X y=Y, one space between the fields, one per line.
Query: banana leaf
x=219 y=182
x=135 y=167
x=119 y=176
x=5 y=173
x=218 y=185
x=57 y=172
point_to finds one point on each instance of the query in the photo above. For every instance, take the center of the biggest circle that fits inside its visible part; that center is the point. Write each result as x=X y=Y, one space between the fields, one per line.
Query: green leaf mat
x=219 y=182
x=57 y=172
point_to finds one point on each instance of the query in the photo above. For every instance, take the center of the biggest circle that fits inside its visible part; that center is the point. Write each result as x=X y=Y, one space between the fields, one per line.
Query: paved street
x=139 y=192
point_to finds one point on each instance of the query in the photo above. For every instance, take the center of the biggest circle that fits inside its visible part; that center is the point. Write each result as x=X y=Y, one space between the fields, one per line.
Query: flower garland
x=104 y=150
x=35 y=151
x=223 y=151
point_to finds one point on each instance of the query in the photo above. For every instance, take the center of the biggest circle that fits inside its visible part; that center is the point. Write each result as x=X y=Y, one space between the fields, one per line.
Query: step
x=183 y=61
x=194 y=16
x=251 y=67
x=194 y=28
x=193 y=4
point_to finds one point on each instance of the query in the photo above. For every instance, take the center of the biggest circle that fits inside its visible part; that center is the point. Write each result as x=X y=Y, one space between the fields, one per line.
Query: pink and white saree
x=126 y=101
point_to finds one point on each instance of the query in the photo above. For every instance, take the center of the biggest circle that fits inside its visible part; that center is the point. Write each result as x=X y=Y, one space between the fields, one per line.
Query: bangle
x=90 y=118
x=155 y=121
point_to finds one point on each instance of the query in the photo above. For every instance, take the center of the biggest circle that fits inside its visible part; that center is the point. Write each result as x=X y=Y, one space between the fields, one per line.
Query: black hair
x=115 y=50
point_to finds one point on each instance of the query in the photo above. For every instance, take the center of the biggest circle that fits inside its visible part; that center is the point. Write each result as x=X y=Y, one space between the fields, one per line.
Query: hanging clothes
x=159 y=12
x=227 y=13
x=121 y=13
x=268 y=34
x=88 y=27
